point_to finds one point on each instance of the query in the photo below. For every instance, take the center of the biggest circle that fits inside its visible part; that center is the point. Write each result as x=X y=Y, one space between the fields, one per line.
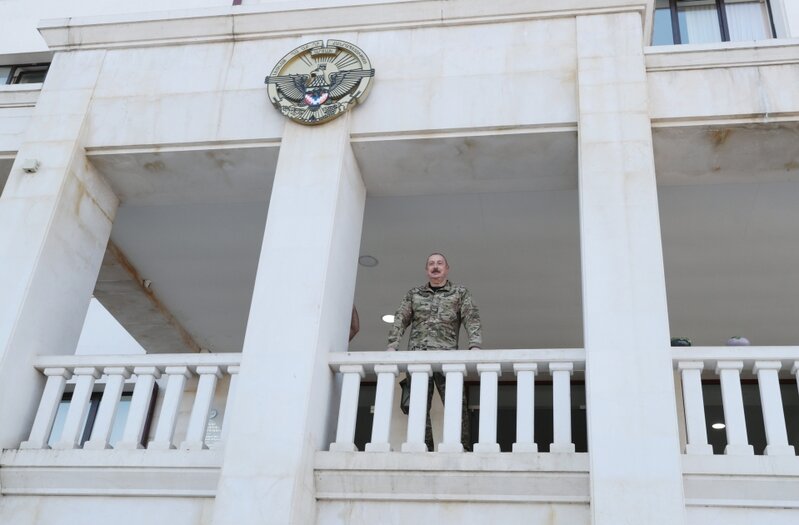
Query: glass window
x=29 y=74
x=708 y=21
x=699 y=22
x=662 y=34
x=746 y=20
x=5 y=72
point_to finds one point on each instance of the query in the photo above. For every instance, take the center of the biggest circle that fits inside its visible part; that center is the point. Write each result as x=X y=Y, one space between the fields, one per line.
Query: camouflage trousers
x=440 y=382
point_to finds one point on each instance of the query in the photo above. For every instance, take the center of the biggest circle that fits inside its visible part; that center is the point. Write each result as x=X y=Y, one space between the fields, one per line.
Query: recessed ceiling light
x=368 y=261
x=718 y=426
x=388 y=318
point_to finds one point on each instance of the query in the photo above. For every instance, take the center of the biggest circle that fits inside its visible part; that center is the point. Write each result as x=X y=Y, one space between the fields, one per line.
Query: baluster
x=169 y=408
x=561 y=408
x=489 y=374
x=73 y=425
x=694 y=406
x=348 y=409
x=115 y=381
x=773 y=416
x=139 y=406
x=453 y=408
x=525 y=407
x=384 y=401
x=48 y=408
x=233 y=388
x=417 y=414
x=732 y=400
x=198 y=420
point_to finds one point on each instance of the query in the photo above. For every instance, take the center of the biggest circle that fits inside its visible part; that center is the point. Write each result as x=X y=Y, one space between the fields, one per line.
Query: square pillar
x=634 y=448
x=54 y=227
x=300 y=312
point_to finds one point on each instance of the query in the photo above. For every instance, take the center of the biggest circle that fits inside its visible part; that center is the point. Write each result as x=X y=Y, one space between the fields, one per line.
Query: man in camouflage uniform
x=435 y=312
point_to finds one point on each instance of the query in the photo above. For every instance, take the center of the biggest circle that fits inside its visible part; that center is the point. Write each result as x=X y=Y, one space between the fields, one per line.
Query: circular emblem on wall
x=316 y=83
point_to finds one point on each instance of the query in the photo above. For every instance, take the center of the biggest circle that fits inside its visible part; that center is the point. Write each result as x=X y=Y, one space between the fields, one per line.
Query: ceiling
x=504 y=209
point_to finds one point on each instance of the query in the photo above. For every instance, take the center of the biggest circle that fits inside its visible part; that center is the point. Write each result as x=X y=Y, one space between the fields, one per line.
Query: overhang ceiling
x=505 y=211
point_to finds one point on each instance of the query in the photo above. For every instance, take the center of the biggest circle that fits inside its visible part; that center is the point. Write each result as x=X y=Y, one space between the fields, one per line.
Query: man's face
x=437 y=269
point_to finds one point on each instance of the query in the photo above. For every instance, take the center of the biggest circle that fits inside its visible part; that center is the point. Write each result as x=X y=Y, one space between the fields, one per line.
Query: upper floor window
x=23 y=74
x=707 y=21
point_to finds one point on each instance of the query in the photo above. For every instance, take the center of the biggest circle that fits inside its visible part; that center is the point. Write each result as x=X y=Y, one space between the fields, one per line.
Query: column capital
x=123 y=371
x=561 y=367
x=387 y=369
x=58 y=371
x=209 y=370
x=87 y=371
x=729 y=365
x=766 y=365
x=418 y=369
x=795 y=367
x=352 y=369
x=233 y=369
x=690 y=365
x=489 y=367
x=178 y=371
x=447 y=368
x=525 y=367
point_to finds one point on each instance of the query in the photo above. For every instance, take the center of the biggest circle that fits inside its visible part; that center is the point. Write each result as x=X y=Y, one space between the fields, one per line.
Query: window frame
x=721 y=15
x=18 y=70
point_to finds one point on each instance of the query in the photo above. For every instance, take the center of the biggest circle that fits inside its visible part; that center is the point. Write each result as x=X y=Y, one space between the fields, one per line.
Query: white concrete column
x=733 y=403
x=301 y=309
x=115 y=381
x=139 y=407
x=384 y=403
x=768 y=382
x=48 y=407
x=561 y=408
x=694 y=406
x=78 y=407
x=525 y=407
x=165 y=430
x=54 y=227
x=453 y=408
x=489 y=379
x=417 y=411
x=629 y=374
x=198 y=420
x=232 y=390
x=348 y=408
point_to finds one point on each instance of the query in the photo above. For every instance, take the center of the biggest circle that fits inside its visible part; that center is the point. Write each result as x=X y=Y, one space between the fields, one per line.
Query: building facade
x=604 y=176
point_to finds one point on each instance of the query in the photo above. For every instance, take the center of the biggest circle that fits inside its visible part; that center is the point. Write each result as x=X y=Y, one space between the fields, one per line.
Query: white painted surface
x=103 y=335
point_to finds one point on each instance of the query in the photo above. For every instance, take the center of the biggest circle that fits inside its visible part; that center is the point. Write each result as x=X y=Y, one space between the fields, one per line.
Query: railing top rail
x=711 y=355
x=130 y=361
x=506 y=358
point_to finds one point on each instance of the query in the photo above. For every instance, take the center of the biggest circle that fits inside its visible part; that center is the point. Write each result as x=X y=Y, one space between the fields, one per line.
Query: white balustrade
x=384 y=402
x=773 y=416
x=84 y=373
x=730 y=363
x=177 y=376
x=525 y=407
x=561 y=408
x=348 y=411
x=453 y=408
x=457 y=366
x=417 y=413
x=694 y=406
x=116 y=376
x=78 y=406
x=233 y=388
x=48 y=407
x=489 y=381
x=198 y=421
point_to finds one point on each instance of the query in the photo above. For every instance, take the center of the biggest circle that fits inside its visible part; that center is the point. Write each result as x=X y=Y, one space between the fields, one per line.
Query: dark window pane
x=662 y=32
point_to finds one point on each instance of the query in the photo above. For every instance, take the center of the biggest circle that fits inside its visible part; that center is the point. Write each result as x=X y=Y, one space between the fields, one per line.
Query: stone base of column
x=556 y=448
x=699 y=450
x=160 y=445
x=96 y=445
x=31 y=445
x=450 y=447
x=193 y=445
x=486 y=448
x=739 y=450
x=780 y=450
x=414 y=447
x=65 y=445
x=343 y=447
x=524 y=448
x=378 y=447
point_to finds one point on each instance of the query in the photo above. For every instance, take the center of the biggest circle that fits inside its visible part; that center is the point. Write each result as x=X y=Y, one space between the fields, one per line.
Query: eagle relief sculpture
x=315 y=82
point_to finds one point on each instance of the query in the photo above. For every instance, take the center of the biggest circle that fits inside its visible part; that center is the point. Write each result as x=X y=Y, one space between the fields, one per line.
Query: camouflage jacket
x=435 y=318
